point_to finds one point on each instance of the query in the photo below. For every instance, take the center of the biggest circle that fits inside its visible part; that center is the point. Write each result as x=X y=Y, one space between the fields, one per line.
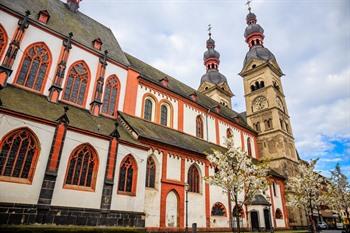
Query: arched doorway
x=254 y=218
x=172 y=216
x=267 y=219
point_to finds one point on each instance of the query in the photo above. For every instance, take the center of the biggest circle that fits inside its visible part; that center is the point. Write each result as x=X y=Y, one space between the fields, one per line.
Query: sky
x=309 y=38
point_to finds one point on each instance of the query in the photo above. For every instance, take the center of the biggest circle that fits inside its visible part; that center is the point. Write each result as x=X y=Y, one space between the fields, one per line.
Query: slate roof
x=64 y=21
x=155 y=76
x=260 y=53
x=36 y=105
x=149 y=130
x=259 y=200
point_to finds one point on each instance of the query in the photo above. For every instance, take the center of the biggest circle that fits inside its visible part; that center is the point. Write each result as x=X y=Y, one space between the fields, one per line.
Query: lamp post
x=269 y=199
x=186 y=190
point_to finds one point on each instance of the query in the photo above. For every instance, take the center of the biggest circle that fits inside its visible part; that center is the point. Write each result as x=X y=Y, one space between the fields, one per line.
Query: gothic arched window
x=19 y=151
x=3 y=40
x=199 y=127
x=193 y=179
x=111 y=96
x=218 y=209
x=34 y=67
x=128 y=175
x=148 y=109
x=249 y=147
x=82 y=168
x=77 y=83
x=150 y=173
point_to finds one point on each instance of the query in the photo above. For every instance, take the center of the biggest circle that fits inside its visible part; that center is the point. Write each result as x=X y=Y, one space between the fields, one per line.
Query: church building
x=93 y=136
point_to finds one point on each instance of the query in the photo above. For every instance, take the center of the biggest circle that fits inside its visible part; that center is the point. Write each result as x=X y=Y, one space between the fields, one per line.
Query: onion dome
x=211 y=60
x=259 y=53
x=211 y=52
x=253 y=28
x=254 y=35
x=213 y=76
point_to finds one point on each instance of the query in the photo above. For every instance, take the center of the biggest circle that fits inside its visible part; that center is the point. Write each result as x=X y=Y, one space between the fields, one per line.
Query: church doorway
x=267 y=218
x=172 y=210
x=254 y=218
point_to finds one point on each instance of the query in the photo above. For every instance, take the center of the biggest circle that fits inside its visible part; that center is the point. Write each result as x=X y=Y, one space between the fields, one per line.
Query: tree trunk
x=237 y=213
x=230 y=210
x=313 y=225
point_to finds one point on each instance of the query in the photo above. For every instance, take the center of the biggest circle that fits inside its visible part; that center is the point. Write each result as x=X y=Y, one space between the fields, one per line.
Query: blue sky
x=310 y=39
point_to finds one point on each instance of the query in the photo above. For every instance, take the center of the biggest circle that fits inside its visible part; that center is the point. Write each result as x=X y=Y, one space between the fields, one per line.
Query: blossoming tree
x=338 y=194
x=305 y=189
x=236 y=174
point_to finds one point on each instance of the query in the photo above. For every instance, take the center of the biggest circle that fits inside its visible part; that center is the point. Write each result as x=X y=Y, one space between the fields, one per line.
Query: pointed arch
x=128 y=176
x=34 y=67
x=77 y=83
x=82 y=168
x=3 y=40
x=19 y=152
x=199 y=126
x=172 y=209
x=150 y=172
x=193 y=179
x=218 y=209
x=111 y=96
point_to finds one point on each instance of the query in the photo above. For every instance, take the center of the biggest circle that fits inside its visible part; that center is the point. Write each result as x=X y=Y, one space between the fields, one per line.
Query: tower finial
x=248 y=4
x=209 y=29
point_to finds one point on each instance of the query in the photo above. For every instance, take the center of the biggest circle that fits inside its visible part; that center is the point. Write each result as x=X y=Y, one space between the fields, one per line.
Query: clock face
x=260 y=103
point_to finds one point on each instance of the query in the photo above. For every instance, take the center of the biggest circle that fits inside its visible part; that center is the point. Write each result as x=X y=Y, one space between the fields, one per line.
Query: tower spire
x=254 y=33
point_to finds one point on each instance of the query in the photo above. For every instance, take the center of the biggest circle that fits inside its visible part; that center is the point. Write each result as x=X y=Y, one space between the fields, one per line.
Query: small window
x=278 y=214
x=229 y=133
x=148 y=110
x=199 y=127
x=274 y=189
x=249 y=147
x=218 y=210
x=150 y=173
x=253 y=66
x=164 y=115
x=193 y=179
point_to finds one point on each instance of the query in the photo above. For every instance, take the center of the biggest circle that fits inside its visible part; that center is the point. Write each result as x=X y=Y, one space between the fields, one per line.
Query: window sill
x=15 y=180
x=126 y=193
x=78 y=188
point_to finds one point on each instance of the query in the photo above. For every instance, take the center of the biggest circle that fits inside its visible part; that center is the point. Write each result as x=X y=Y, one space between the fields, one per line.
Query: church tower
x=265 y=101
x=213 y=83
